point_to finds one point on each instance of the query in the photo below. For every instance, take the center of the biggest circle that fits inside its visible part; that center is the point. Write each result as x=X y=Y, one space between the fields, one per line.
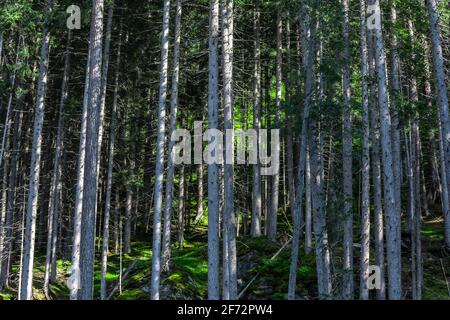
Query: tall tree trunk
x=347 y=289
x=308 y=211
x=376 y=173
x=91 y=156
x=109 y=175
x=393 y=234
x=442 y=99
x=56 y=177
x=213 y=168
x=159 y=170
x=77 y=217
x=365 y=171
x=255 y=228
x=229 y=213
x=166 y=251
x=415 y=176
x=26 y=281
x=395 y=105
x=181 y=208
x=272 y=217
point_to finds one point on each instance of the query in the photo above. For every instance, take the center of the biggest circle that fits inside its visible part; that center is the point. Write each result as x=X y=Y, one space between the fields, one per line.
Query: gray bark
x=255 y=228
x=229 y=212
x=376 y=175
x=347 y=289
x=272 y=217
x=91 y=157
x=168 y=208
x=55 y=188
x=365 y=170
x=26 y=279
x=159 y=170
x=213 y=169
x=393 y=234
x=109 y=176
x=395 y=130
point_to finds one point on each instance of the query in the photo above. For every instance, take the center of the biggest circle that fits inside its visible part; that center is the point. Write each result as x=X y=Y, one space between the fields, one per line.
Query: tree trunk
x=376 y=174
x=272 y=217
x=393 y=215
x=213 y=168
x=347 y=289
x=26 y=286
x=56 y=177
x=395 y=105
x=166 y=250
x=255 y=228
x=365 y=171
x=109 y=175
x=229 y=213
x=91 y=156
x=159 y=170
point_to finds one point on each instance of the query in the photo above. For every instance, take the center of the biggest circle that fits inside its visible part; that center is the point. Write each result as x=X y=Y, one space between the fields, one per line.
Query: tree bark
x=91 y=156
x=229 y=211
x=393 y=234
x=56 y=177
x=26 y=280
x=347 y=143
x=109 y=175
x=213 y=168
x=159 y=169
x=166 y=250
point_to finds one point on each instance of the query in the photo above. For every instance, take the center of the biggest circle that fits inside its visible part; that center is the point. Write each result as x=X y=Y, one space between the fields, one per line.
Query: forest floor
x=265 y=276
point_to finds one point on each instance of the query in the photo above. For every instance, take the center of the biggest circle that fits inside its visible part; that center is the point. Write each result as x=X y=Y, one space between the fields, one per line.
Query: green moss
x=133 y=294
x=433 y=231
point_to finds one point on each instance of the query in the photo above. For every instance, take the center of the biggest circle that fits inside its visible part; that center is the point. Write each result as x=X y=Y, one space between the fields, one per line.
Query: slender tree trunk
x=308 y=211
x=393 y=215
x=255 y=228
x=395 y=130
x=109 y=175
x=56 y=178
x=376 y=174
x=166 y=251
x=365 y=171
x=272 y=217
x=415 y=176
x=181 y=206
x=91 y=156
x=213 y=168
x=229 y=211
x=159 y=170
x=347 y=289
x=128 y=217
x=26 y=281
x=320 y=228
x=76 y=243
x=200 y=211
